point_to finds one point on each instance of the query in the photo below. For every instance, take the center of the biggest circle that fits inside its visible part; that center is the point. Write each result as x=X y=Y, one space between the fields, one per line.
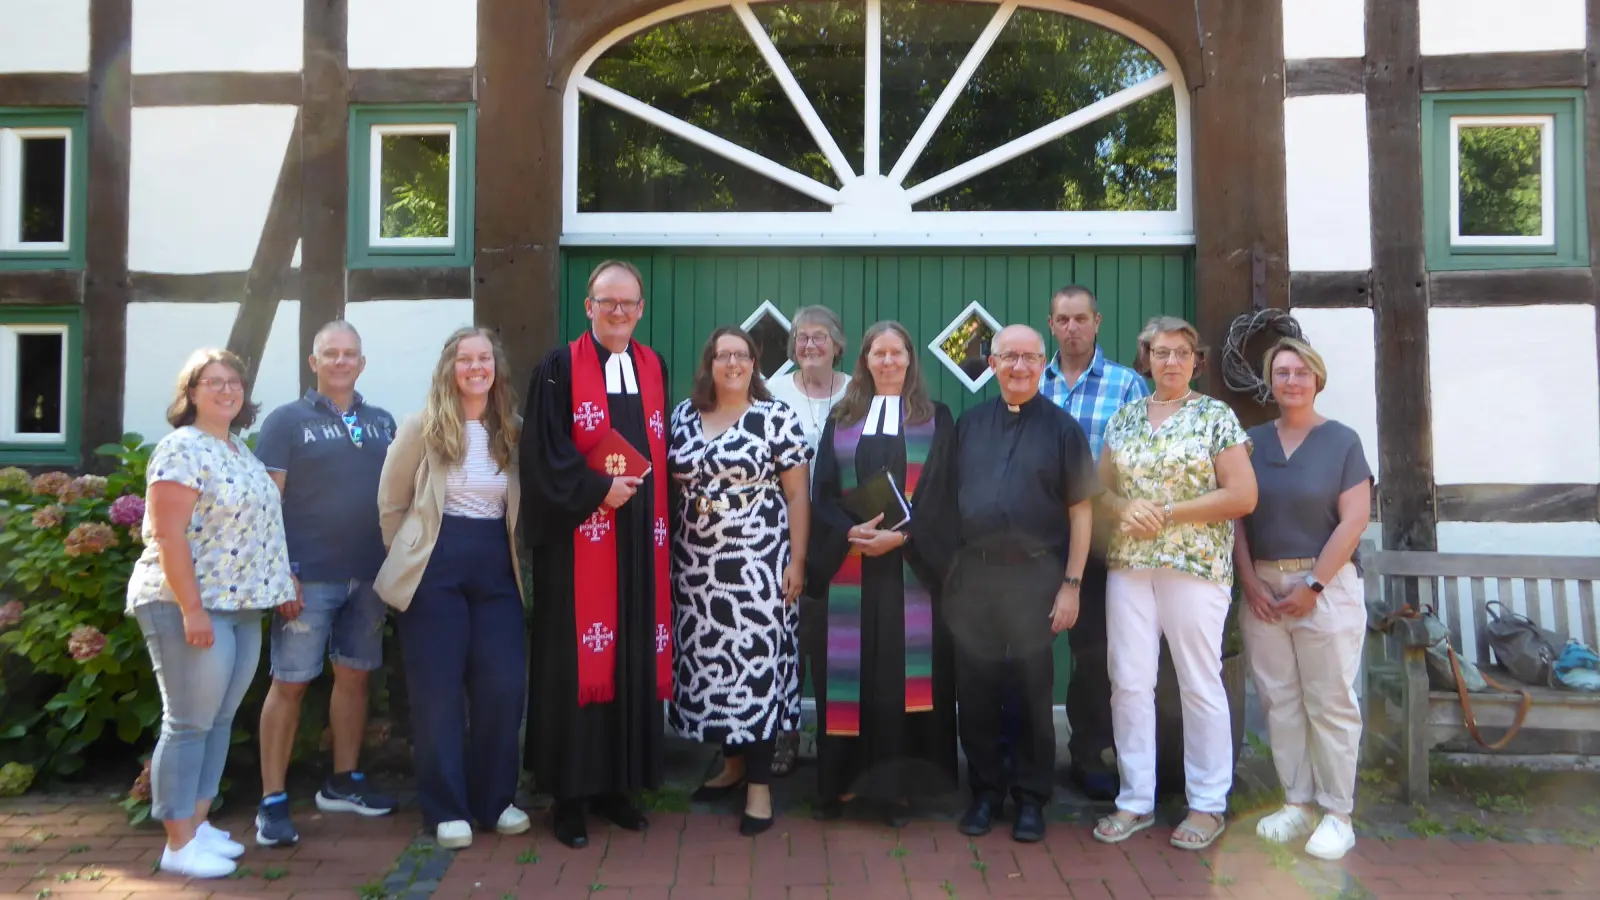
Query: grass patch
x=665 y=800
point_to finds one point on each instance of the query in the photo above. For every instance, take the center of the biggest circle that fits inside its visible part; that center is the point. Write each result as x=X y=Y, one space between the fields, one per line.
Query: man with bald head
x=1022 y=485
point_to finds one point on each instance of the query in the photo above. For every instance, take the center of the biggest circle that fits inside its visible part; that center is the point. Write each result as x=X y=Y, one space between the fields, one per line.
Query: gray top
x=1298 y=498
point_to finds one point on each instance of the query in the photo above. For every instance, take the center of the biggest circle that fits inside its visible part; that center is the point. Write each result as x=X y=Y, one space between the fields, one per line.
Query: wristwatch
x=1167 y=510
x=1312 y=582
x=1071 y=581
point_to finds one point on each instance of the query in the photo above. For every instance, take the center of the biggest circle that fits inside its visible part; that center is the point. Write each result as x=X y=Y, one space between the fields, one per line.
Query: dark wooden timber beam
x=44 y=89
x=422 y=283
x=1330 y=290
x=269 y=270
x=1504 y=71
x=324 y=121
x=1519 y=502
x=216 y=88
x=1399 y=278
x=45 y=287
x=1510 y=287
x=1308 y=77
x=105 y=292
x=411 y=85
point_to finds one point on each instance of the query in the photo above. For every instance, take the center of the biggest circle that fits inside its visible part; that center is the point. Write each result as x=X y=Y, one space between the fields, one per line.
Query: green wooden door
x=690 y=292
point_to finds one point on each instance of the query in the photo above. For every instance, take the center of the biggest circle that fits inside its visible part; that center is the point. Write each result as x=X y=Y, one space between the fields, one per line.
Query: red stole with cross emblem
x=594 y=543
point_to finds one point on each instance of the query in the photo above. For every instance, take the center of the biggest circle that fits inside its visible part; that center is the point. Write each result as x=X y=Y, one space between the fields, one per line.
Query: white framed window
x=938 y=122
x=412 y=163
x=42 y=177
x=771 y=330
x=33 y=384
x=963 y=346
x=1502 y=181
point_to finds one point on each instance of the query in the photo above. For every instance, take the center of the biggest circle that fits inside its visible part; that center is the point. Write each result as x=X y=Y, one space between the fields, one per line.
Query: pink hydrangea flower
x=90 y=539
x=49 y=516
x=10 y=614
x=83 y=486
x=85 y=643
x=51 y=484
x=128 y=510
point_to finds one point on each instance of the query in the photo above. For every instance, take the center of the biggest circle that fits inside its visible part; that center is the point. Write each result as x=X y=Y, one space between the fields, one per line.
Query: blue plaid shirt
x=1104 y=388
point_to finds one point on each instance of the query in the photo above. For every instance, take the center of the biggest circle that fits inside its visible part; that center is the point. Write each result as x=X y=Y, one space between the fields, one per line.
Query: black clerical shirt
x=1018 y=472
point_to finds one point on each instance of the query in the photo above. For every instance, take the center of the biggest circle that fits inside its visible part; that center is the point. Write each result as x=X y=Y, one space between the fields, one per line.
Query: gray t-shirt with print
x=1298 y=498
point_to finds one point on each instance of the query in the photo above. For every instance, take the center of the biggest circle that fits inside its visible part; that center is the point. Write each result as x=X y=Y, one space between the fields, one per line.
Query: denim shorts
x=342 y=619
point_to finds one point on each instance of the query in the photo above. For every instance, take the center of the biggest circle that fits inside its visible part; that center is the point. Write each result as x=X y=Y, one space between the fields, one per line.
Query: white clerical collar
x=883 y=417
x=619 y=374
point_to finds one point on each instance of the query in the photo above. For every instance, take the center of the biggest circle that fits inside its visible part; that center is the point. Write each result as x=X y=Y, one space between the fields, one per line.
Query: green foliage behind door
x=688 y=293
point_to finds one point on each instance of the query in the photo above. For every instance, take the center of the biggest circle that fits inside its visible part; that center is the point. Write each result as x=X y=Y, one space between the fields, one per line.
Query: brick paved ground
x=60 y=849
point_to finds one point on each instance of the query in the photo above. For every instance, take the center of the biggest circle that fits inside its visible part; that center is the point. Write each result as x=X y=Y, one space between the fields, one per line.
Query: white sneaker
x=1332 y=840
x=1284 y=825
x=217 y=841
x=512 y=821
x=454 y=835
x=196 y=860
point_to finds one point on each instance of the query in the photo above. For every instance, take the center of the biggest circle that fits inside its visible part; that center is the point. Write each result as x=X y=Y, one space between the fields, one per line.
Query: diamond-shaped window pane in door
x=770 y=329
x=963 y=346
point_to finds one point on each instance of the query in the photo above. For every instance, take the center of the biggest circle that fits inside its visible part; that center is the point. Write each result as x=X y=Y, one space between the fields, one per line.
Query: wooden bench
x=1401 y=710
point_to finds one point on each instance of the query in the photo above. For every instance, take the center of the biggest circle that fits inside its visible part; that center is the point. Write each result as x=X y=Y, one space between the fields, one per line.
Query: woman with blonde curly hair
x=214 y=560
x=447 y=505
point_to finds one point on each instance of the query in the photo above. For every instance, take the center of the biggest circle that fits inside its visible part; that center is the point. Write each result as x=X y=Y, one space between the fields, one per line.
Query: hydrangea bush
x=74 y=665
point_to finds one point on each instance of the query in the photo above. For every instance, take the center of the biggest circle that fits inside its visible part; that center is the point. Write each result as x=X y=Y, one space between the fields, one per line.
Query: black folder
x=879 y=494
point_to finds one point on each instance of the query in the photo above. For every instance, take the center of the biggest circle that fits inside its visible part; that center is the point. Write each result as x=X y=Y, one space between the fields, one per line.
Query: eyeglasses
x=221 y=384
x=608 y=305
x=1011 y=359
x=356 y=431
x=1293 y=375
x=732 y=356
x=1181 y=354
x=819 y=338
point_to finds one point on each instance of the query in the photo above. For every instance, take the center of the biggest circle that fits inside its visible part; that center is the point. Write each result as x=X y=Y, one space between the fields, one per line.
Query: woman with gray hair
x=1176 y=470
x=812 y=390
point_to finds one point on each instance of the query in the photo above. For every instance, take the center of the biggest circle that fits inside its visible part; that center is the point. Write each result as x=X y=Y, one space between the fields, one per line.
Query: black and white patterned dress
x=736 y=677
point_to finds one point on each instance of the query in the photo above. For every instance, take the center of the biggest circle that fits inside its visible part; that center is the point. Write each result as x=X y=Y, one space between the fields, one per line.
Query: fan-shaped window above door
x=862 y=122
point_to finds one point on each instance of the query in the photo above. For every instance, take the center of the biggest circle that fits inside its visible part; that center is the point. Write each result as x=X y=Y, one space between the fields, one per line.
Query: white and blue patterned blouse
x=236 y=532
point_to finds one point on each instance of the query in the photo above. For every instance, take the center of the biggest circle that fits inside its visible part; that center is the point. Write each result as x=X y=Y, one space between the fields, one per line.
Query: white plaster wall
x=44 y=35
x=1531 y=538
x=1325 y=148
x=1515 y=395
x=401 y=340
x=162 y=335
x=1344 y=338
x=217 y=35
x=1313 y=28
x=202 y=181
x=1495 y=26
x=405 y=34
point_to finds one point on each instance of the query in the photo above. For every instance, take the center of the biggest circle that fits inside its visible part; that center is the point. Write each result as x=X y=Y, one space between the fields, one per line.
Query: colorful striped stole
x=844 y=600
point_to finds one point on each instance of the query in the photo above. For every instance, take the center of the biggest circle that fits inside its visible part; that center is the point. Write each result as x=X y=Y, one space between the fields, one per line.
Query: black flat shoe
x=706 y=793
x=1029 y=827
x=750 y=826
x=570 y=827
x=621 y=812
x=979 y=818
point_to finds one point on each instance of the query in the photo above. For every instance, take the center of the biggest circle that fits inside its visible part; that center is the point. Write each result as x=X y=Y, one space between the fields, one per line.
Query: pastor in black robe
x=898 y=755
x=602 y=748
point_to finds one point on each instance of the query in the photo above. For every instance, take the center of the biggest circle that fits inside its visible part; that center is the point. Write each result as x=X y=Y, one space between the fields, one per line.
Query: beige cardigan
x=411 y=507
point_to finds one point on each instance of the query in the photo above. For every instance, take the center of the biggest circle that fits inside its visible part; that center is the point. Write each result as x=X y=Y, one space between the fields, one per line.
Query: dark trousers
x=1089 y=691
x=999 y=614
x=466 y=671
x=757 y=759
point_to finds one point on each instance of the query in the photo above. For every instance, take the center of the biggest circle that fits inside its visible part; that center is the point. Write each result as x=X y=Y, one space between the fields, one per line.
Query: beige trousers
x=1305 y=673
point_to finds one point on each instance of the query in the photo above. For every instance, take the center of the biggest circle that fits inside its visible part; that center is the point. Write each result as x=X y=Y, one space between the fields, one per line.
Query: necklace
x=1155 y=402
x=811 y=402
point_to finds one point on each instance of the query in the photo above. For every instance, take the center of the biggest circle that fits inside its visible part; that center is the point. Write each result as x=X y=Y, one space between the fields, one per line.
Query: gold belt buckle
x=702 y=505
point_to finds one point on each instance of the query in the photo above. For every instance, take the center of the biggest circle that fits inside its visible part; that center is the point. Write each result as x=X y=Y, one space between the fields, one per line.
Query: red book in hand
x=615 y=456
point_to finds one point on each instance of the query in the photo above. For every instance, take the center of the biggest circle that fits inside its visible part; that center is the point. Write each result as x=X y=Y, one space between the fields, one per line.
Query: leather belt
x=1288 y=565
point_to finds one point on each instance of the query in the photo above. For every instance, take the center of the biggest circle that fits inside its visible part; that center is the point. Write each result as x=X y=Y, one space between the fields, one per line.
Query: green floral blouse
x=1176 y=462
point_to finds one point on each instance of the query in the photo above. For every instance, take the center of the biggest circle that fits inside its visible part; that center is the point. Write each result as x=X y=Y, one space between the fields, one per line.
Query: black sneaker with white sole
x=273 y=826
x=349 y=792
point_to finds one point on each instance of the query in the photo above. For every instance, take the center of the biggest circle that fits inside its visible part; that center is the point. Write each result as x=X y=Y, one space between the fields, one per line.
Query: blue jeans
x=342 y=620
x=201 y=688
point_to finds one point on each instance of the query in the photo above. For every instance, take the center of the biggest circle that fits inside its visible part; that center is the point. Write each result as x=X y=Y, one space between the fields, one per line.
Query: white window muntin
x=9 y=387
x=767 y=309
x=375 y=201
x=936 y=346
x=1547 y=183
x=11 y=189
x=860 y=198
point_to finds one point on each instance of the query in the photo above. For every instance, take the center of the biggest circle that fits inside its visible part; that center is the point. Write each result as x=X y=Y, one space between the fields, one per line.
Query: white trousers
x=1142 y=605
x=1305 y=673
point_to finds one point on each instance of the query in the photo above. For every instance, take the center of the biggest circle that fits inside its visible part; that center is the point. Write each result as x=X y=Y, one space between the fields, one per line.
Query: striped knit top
x=476 y=488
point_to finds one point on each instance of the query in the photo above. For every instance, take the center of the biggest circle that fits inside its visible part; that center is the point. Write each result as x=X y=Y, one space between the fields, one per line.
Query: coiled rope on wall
x=1242 y=374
